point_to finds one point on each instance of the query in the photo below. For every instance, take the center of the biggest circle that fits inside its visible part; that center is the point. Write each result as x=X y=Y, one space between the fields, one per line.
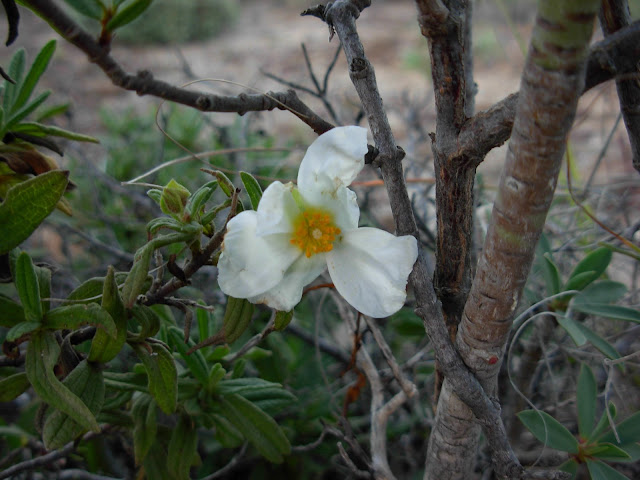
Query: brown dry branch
x=341 y=16
x=143 y=82
x=614 y=15
x=449 y=48
x=552 y=80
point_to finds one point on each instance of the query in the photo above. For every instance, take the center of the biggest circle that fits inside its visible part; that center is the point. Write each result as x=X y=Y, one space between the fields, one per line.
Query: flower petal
x=370 y=269
x=287 y=294
x=333 y=160
x=342 y=204
x=250 y=265
x=276 y=210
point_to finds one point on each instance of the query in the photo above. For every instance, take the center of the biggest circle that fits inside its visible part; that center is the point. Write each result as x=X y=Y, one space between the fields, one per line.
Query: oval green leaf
x=548 y=430
x=26 y=282
x=42 y=355
x=252 y=187
x=587 y=400
x=73 y=317
x=128 y=14
x=27 y=205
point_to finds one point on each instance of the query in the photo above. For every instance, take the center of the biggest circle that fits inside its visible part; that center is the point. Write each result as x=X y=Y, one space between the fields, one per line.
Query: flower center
x=314 y=232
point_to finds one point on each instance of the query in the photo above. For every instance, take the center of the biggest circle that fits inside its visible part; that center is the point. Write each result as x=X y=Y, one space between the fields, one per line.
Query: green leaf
x=603 y=291
x=148 y=320
x=145 y=426
x=604 y=421
x=548 y=430
x=128 y=14
x=237 y=317
x=597 y=341
x=550 y=274
x=195 y=361
x=27 y=204
x=282 y=320
x=257 y=427
x=162 y=375
x=573 y=329
x=11 y=313
x=25 y=111
x=570 y=466
x=137 y=277
x=581 y=280
x=225 y=184
x=15 y=71
x=266 y=395
x=52 y=111
x=226 y=433
x=26 y=282
x=614 y=312
x=155 y=195
x=74 y=316
x=42 y=355
x=182 y=448
x=13 y=386
x=601 y=471
x=21 y=329
x=33 y=76
x=587 y=399
x=104 y=347
x=163 y=222
x=607 y=451
x=91 y=290
x=44 y=283
x=87 y=383
x=595 y=263
x=628 y=430
x=252 y=187
x=201 y=196
x=41 y=130
x=216 y=374
x=89 y=8
x=127 y=382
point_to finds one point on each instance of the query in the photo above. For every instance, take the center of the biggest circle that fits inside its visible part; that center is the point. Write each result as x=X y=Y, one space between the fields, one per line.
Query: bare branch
x=340 y=15
x=143 y=82
x=614 y=15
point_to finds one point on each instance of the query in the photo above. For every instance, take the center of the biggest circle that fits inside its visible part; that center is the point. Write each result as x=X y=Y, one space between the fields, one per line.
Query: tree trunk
x=551 y=84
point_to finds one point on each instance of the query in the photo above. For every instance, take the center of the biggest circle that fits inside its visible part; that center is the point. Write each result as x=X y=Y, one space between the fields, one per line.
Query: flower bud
x=174 y=198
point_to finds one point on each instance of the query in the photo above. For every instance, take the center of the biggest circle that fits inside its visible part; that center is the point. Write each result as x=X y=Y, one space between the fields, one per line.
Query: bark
x=551 y=84
x=614 y=15
x=447 y=28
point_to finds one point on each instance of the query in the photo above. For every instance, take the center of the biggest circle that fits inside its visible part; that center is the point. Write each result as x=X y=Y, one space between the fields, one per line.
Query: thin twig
x=253 y=341
x=43 y=460
x=143 y=82
x=407 y=386
x=229 y=466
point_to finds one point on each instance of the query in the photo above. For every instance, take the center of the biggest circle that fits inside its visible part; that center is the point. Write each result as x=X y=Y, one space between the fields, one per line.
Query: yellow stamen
x=314 y=232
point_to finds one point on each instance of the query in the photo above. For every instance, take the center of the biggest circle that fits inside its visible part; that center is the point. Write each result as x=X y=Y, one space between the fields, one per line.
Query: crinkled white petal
x=343 y=205
x=276 y=210
x=334 y=159
x=250 y=265
x=287 y=294
x=370 y=269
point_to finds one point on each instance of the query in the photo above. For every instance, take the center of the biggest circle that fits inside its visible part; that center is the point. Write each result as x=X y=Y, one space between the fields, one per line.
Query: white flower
x=269 y=255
